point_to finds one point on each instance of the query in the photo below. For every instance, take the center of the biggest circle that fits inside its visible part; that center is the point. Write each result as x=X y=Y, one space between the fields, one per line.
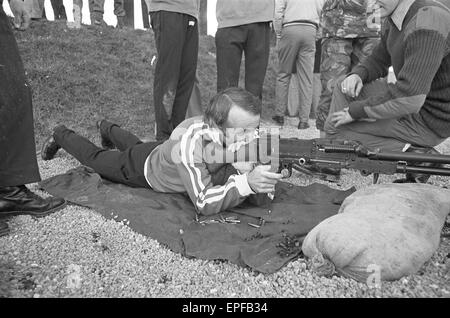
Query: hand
x=341 y=118
x=352 y=86
x=261 y=180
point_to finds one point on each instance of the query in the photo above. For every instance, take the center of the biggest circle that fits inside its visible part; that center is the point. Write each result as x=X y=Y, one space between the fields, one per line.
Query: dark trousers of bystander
x=176 y=38
x=254 y=41
x=18 y=164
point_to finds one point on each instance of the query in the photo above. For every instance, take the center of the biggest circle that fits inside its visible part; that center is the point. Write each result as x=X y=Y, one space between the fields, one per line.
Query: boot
x=419 y=177
x=278 y=119
x=97 y=20
x=104 y=139
x=20 y=200
x=4 y=229
x=49 y=148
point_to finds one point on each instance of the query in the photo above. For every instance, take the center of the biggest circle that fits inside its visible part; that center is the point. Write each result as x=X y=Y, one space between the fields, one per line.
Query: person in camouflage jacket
x=350 y=32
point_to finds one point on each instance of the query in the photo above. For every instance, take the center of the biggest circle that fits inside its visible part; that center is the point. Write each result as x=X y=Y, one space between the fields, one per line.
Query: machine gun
x=285 y=154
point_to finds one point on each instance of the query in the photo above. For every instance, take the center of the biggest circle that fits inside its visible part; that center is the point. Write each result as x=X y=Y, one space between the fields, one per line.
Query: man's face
x=386 y=7
x=241 y=126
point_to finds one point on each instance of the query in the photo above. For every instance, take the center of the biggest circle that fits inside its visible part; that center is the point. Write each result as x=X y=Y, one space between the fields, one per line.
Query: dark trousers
x=123 y=166
x=58 y=9
x=176 y=38
x=18 y=164
x=254 y=41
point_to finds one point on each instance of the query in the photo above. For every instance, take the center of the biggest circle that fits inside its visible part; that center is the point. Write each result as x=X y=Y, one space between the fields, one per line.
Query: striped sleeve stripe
x=183 y=146
x=190 y=154
x=216 y=197
x=211 y=195
x=217 y=191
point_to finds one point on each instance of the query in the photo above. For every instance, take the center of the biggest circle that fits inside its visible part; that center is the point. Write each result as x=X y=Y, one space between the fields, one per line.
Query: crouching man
x=180 y=164
x=416 y=109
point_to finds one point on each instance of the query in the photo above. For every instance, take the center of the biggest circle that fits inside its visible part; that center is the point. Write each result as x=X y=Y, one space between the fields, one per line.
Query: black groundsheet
x=265 y=240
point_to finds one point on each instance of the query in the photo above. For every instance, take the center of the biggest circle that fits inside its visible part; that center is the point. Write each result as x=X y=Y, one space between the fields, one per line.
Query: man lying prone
x=180 y=164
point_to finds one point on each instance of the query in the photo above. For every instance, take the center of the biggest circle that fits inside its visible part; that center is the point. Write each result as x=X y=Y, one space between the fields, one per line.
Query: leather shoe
x=303 y=125
x=4 y=229
x=104 y=139
x=20 y=200
x=278 y=119
x=49 y=148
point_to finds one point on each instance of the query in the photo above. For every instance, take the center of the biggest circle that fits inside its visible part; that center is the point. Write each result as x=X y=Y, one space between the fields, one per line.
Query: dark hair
x=220 y=105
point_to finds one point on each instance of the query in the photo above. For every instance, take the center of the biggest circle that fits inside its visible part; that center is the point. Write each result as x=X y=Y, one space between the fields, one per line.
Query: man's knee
x=338 y=102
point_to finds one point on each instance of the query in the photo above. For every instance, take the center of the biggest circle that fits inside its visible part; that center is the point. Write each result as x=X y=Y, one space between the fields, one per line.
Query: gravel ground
x=77 y=253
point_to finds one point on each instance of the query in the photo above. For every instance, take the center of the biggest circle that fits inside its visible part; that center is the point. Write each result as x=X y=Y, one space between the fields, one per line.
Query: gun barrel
x=424 y=170
x=409 y=156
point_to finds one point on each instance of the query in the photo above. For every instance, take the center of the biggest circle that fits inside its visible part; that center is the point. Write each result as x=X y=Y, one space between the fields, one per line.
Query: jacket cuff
x=356 y=110
x=361 y=72
x=242 y=185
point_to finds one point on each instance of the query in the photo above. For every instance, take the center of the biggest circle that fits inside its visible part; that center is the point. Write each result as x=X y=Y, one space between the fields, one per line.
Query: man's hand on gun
x=261 y=180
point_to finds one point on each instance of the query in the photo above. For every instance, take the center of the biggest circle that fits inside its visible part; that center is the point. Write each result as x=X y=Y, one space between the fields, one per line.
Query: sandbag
x=389 y=229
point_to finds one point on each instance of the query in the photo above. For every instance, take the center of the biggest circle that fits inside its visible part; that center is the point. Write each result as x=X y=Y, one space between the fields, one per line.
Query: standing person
x=243 y=27
x=414 y=113
x=18 y=164
x=22 y=17
x=97 y=10
x=317 y=87
x=349 y=36
x=296 y=24
x=175 y=27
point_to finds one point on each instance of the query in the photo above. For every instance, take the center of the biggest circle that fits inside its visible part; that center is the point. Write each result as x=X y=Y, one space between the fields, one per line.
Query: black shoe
x=419 y=177
x=4 y=229
x=278 y=119
x=49 y=148
x=20 y=200
x=97 y=20
x=303 y=125
x=104 y=139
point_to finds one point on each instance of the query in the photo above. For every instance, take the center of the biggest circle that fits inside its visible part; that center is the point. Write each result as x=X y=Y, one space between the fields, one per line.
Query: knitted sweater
x=418 y=48
x=190 y=7
x=240 y=12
